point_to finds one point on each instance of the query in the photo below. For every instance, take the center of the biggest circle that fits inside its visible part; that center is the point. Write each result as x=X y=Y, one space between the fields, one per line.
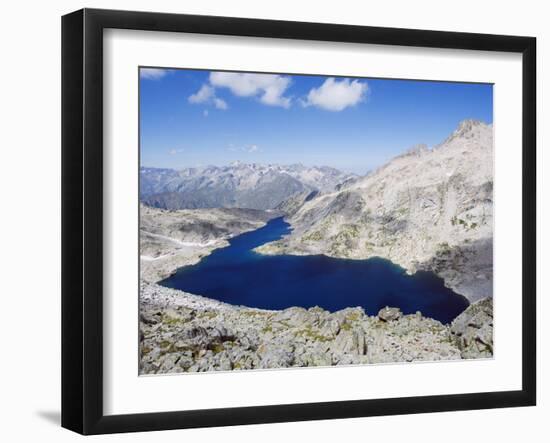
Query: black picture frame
x=82 y=218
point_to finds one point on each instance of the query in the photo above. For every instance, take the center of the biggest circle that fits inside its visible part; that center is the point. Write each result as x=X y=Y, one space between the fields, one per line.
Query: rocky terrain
x=427 y=209
x=239 y=185
x=181 y=332
x=172 y=239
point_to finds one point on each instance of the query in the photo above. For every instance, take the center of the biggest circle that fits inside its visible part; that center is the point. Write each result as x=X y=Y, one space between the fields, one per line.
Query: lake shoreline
x=238 y=275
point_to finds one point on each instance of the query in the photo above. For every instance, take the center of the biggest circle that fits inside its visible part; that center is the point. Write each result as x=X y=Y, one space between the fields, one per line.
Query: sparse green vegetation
x=346 y=327
x=402 y=211
x=216 y=348
x=353 y=316
x=369 y=246
x=314 y=335
x=458 y=221
x=168 y=320
x=314 y=236
x=207 y=314
x=443 y=248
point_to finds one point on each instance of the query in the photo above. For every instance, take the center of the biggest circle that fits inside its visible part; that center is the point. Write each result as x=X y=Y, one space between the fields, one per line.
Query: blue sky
x=194 y=118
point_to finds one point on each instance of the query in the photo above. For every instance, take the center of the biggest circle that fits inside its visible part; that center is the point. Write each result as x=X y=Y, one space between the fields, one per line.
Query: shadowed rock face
x=429 y=209
x=466 y=267
x=181 y=332
x=472 y=331
x=236 y=186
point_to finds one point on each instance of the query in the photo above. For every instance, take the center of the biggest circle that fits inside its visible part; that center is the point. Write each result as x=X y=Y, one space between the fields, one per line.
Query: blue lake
x=239 y=276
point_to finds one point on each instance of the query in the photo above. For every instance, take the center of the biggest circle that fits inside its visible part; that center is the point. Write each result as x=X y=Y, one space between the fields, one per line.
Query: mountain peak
x=467 y=129
x=468 y=125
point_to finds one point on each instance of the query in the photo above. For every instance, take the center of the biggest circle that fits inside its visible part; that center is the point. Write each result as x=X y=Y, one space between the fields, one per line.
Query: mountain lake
x=239 y=276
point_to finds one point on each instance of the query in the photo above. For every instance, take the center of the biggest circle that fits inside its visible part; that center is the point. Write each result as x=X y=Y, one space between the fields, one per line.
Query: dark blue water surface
x=239 y=276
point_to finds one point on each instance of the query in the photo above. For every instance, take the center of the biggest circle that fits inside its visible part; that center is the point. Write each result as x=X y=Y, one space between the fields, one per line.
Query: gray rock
x=485 y=335
x=330 y=326
x=276 y=358
x=350 y=342
x=315 y=359
x=389 y=314
x=472 y=331
x=480 y=319
x=224 y=362
x=294 y=316
x=169 y=362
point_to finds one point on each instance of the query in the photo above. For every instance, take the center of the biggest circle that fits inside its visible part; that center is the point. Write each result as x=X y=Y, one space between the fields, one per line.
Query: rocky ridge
x=181 y=332
x=239 y=185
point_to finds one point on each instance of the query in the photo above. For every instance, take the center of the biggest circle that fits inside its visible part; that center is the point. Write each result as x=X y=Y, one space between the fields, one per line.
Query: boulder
x=295 y=316
x=275 y=358
x=472 y=330
x=330 y=327
x=350 y=342
x=314 y=358
x=389 y=314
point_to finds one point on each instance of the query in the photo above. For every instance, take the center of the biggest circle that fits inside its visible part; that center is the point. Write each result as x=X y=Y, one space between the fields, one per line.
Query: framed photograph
x=269 y=221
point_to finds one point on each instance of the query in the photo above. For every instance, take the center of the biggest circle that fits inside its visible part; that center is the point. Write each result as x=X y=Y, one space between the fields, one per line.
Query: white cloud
x=252 y=148
x=334 y=95
x=152 y=73
x=207 y=95
x=175 y=151
x=203 y=95
x=270 y=88
x=220 y=104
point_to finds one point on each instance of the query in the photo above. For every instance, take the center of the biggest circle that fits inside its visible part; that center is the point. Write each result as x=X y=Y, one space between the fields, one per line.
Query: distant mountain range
x=239 y=185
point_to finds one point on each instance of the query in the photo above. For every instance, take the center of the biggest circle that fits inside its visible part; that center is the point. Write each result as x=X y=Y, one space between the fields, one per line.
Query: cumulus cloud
x=175 y=151
x=207 y=95
x=203 y=95
x=334 y=95
x=220 y=104
x=152 y=73
x=269 y=88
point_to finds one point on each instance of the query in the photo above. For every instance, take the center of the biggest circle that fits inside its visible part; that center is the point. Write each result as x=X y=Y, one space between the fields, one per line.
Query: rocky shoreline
x=181 y=332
